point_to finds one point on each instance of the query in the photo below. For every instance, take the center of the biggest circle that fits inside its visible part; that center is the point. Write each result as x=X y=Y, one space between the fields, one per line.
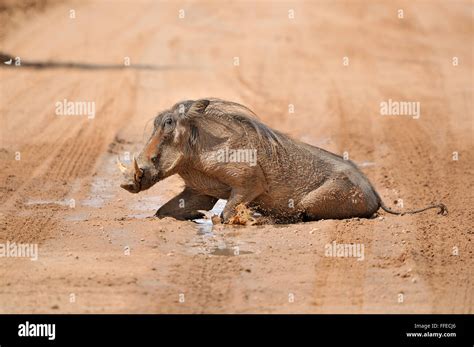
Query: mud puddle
x=229 y=251
x=216 y=240
x=204 y=225
x=102 y=191
x=78 y=217
x=65 y=202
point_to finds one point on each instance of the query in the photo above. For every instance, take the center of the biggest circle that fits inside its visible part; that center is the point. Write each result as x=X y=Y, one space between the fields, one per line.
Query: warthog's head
x=169 y=146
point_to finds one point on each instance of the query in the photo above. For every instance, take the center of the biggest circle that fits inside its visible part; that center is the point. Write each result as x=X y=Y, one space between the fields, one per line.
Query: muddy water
x=77 y=217
x=103 y=191
x=219 y=243
x=229 y=251
x=103 y=187
x=204 y=225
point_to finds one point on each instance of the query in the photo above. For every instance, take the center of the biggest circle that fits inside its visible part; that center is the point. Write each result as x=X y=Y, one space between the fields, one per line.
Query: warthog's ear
x=198 y=107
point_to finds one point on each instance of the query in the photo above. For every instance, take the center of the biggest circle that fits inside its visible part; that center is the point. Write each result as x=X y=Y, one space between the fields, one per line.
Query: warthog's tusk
x=121 y=166
x=138 y=171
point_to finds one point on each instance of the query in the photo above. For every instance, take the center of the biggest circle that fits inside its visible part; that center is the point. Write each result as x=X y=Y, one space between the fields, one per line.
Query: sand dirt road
x=103 y=254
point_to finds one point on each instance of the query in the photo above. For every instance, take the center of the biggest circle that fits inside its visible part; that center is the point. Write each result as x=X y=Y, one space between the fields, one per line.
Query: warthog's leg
x=336 y=199
x=239 y=196
x=186 y=204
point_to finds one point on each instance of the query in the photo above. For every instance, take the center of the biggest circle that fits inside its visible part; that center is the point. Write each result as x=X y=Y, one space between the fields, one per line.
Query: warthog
x=222 y=151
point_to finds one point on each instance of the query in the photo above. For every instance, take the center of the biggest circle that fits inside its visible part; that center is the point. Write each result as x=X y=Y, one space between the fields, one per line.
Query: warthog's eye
x=168 y=124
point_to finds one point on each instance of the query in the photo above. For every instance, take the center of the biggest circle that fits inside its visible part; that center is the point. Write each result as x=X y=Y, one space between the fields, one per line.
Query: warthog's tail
x=443 y=210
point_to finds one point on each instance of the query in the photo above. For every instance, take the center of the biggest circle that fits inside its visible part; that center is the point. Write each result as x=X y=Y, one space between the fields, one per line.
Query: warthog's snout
x=140 y=176
x=132 y=177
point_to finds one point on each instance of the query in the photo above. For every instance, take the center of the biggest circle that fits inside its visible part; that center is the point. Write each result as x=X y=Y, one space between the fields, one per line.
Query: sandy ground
x=103 y=254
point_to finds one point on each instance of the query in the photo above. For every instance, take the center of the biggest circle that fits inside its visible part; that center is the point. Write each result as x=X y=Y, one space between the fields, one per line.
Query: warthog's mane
x=237 y=119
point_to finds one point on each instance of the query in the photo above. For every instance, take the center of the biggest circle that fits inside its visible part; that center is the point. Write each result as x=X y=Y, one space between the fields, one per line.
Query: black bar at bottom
x=383 y=330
